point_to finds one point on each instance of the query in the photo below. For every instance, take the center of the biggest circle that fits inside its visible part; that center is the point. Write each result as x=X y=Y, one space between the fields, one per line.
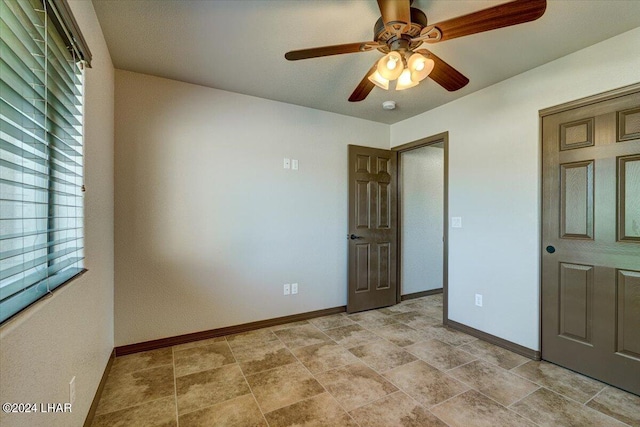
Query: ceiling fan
x=402 y=29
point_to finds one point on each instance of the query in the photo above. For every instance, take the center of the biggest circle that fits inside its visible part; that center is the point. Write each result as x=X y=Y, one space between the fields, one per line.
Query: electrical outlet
x=287 y=289
x=294 y=288
x=479 y=300
x=456 y=222
x=287 y=163
x=72 y=390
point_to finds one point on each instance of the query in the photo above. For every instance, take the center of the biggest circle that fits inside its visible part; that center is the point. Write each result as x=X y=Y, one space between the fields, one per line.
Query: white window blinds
x=41 y=166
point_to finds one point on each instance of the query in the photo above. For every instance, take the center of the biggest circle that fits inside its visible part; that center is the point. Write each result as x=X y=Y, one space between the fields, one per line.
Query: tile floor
x=396 y=366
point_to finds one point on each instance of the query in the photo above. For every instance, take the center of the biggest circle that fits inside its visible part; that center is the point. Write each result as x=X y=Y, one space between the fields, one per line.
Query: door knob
x=551 y=249
x=354 y=237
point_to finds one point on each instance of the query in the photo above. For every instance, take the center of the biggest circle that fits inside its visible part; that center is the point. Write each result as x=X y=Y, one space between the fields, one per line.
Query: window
x=41 y=165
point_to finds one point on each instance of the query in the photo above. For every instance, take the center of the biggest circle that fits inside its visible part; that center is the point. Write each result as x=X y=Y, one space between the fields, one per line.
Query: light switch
x=294 y=164
x=287 y=163
x=456 y=222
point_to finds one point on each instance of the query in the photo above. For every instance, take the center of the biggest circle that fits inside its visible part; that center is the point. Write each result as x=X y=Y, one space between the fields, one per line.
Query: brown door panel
x=591 y=244
x=372 y=228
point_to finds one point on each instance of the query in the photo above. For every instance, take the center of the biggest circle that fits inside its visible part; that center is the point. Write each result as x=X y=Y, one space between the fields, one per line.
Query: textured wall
x=209 y=226
x=494 y=176
x=71 y=333
x=422 y=178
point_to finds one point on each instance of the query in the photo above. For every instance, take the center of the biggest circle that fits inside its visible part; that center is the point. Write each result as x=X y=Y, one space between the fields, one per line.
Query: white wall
x=71 y=333
x=494 y=176
x=422 y=184
x=209 y=226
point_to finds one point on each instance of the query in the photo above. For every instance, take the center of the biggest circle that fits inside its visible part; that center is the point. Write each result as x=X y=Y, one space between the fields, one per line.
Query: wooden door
x=372 y=228
x=591 y=240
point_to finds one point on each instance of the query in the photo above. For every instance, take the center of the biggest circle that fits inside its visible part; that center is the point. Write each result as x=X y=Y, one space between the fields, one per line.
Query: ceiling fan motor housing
x=386 y=35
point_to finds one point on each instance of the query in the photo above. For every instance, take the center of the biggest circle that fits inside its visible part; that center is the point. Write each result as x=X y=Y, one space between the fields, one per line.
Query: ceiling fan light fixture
x=390 y=66
x=420 y=67
x=405 y=81
x=378 y=80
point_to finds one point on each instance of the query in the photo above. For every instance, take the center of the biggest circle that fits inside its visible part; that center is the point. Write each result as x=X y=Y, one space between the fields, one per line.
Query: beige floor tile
x=143 y=360
x=198 y=343
x=318 y=411
x=549 y=409
x=250 y=339
x=263 y=356
x=351 y=335
x=382 y=355
x=396 y=309
x=429 y=310
x=431 y=301
x=396 y=409
x=493 y=354
x=324 y=356
x=202 y=358
x=447 y=335
x=442 y=356
x=157 y=413
x=474 y=409
x=302 y=336
x=143 y=389
x=424 y=383
x=418 y=319
x=333 y=321
x=289 y=325
x=618 y=404
x=123 y=390
x=399 y=334
x=283 y=386
x=355 y=385
x=206 y=388
x=241 y=411
x=367 y=315
x=372 y=319
x=497 y=383
x=560 y=380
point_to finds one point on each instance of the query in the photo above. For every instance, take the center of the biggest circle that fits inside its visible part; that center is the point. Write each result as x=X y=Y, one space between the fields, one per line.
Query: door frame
x=578 y=103
x=425 y=142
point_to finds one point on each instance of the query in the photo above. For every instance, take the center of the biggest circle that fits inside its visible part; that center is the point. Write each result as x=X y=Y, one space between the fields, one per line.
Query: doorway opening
x=422 y=219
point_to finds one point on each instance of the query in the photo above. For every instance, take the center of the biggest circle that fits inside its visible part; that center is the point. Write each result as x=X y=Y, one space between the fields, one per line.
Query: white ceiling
x=239 y=46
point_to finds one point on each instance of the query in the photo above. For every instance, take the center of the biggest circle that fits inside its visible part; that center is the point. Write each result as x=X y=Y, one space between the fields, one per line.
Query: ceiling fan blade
x=395 y=13
x=364 y=87
x=444 y=74
x=503 y=15
x=338 y=49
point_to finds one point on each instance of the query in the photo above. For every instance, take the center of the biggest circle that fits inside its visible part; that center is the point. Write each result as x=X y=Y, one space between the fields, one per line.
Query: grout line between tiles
x=595 y=409
x=596 y=395
x=446 y=400
x=175 y=386
x=325 y=389
x=483 y=358
x=247 y=382
x=527 y=395
x=523 y=363
x=608 y=416
x=557 y=392
x=504 y=406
